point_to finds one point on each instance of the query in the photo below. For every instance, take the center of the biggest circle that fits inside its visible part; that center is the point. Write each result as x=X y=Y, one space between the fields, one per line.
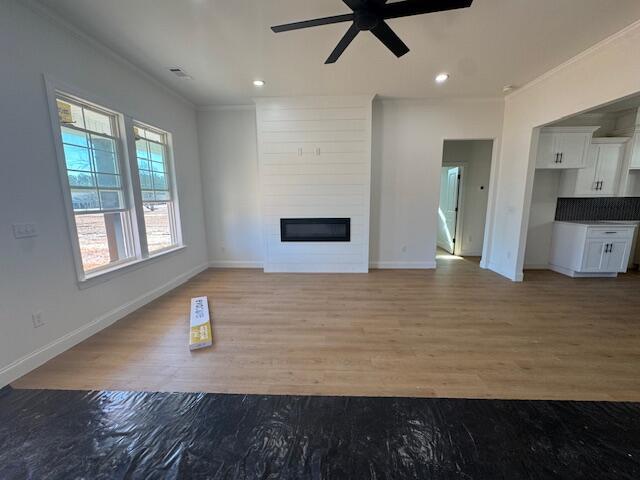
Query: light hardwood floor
x=458 y=331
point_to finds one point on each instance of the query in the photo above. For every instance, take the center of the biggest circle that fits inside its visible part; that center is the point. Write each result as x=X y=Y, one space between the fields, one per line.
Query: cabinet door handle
x=601 y=184
x=561 y=155
x=606 y=248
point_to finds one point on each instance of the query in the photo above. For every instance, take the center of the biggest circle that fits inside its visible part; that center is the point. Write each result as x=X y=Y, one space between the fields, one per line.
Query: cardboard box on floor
x=200 y=335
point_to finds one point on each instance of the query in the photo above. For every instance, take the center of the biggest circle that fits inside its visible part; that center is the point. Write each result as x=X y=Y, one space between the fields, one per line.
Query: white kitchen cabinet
x=601 y=174
x=634 y=150
x=563 y=147
x=599 y=249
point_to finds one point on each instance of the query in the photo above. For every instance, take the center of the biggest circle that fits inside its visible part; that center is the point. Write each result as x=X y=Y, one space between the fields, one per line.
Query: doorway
x=450 y=180
x=464 y=194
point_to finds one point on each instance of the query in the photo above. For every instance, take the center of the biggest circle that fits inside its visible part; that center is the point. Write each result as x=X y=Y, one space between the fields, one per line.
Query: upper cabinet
x=634 y=150
x=564 y=147
x=601 y=173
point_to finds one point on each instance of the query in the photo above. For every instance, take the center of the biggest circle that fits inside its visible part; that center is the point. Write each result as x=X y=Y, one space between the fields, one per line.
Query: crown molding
x=46 y=12
x=585 y=53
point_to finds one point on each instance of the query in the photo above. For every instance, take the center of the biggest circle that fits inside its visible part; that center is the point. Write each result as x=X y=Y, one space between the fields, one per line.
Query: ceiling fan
x=371 y=15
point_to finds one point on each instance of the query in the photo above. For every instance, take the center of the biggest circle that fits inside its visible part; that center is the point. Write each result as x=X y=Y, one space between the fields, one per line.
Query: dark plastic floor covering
x=66 y=435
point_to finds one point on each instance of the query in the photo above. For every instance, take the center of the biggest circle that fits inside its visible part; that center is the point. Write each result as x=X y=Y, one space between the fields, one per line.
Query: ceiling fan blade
x=390 y=39
x=359 y=4
x=348 y=17
x=343 y=44
x=418 y=7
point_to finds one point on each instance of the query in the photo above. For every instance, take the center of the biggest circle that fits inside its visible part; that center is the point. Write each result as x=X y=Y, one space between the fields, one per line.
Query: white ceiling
x=225 y=44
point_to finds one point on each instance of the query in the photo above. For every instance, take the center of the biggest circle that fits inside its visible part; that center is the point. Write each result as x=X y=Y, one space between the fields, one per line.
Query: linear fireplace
x=315 y=229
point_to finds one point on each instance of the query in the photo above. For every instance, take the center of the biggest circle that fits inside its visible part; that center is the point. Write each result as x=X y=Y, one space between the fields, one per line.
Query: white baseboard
x=33 y=360
x=403 y=265
x=235 y=264
x=517 y=277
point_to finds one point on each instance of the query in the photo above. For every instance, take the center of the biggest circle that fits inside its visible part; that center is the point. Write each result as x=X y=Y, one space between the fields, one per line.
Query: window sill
x=117 y=270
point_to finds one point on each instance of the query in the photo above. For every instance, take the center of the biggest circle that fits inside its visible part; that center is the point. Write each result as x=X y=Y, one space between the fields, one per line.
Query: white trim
x=123 y=268
x=235 y=264
x=576 y=58
x=515 y=277
x=126 y=150
x=33 y=360
x=402 y=265
x=47 y=13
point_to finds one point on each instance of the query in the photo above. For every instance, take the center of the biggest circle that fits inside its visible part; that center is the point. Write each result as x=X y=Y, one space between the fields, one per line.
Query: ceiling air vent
x=180 y=73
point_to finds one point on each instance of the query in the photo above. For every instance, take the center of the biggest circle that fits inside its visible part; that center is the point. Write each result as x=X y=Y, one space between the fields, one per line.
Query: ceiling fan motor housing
x=366 y=19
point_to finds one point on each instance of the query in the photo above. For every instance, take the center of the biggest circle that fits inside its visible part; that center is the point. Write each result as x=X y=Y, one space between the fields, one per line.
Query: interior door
x=448 y=210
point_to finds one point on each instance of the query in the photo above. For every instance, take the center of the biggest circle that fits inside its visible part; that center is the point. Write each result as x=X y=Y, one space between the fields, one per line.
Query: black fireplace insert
x=315 y=229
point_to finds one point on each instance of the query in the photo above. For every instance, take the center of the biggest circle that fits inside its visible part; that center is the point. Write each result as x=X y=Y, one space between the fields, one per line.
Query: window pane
x=74 y=137
x=97 y=122
x=159 y=225
x=108 y=181
x=111 y=199
x=156 y=137
x=142 y=150
x=145 y=180
x=157 y=167
x=80 y=179
x=144 y=164
x=162 y=195
x=148 y=196
x=85 y=199
x=105 y=162
x=160 y=181
x=102 y=143
x=102 y=239
x=157 y=152
x=77 y=158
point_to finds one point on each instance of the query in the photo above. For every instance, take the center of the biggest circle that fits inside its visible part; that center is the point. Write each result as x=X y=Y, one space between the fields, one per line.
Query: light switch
x=25 y=230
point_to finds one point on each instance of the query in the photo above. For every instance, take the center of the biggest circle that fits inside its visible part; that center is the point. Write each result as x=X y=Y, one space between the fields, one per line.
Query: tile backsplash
x=600 y=208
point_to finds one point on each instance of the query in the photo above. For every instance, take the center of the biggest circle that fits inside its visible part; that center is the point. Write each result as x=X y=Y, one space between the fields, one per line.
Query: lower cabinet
x=591 y=249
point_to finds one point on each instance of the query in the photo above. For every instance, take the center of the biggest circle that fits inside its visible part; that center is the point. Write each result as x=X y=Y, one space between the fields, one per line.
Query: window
x=116 y=221
x=155 y=186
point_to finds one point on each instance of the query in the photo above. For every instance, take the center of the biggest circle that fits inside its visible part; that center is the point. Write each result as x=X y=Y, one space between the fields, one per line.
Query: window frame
x=126 y=151
x=174 y=213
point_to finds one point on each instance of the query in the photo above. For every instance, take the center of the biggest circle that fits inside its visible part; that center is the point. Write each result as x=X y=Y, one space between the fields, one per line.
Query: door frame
x=457 y=244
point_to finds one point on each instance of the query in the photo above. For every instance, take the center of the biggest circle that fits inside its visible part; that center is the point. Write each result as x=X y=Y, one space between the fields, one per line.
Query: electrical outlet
x=25 y=230
x=36 y=318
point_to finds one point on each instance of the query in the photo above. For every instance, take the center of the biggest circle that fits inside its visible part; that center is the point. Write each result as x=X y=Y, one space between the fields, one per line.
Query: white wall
x=602 y=74
x=407 y=147
x=228 y=149
x=408 y=140
x=476 y=156
x=314 y=157
x=38 y=273
x=546 y=188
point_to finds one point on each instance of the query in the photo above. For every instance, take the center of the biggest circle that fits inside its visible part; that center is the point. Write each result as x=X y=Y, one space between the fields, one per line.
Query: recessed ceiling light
x=442 y=77
x=258 y=83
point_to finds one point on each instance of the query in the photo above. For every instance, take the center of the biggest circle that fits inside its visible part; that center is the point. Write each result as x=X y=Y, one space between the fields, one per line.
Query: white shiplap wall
x=314 y=157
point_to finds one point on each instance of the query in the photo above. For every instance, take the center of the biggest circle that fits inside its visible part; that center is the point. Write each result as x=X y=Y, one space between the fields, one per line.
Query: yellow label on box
x=200 y=335
x=64 y=112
